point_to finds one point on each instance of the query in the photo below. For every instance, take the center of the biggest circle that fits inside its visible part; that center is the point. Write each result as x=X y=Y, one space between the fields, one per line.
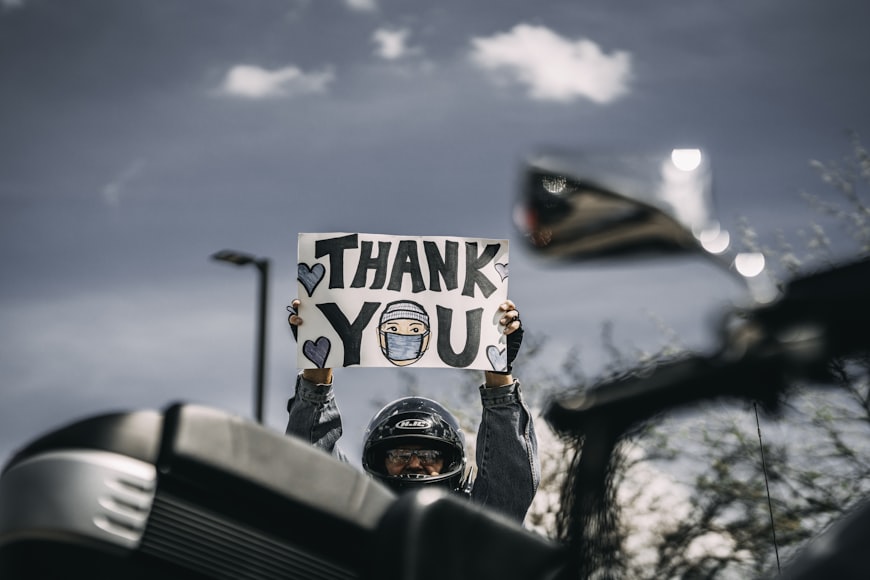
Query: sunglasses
x=403 y=456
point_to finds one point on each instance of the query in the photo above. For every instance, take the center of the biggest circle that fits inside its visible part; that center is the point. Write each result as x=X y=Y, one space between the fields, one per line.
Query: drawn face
x=404 y=332
x=403 y=340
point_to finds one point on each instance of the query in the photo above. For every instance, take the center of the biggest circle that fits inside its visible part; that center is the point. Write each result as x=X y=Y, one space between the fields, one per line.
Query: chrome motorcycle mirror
x=578 y=206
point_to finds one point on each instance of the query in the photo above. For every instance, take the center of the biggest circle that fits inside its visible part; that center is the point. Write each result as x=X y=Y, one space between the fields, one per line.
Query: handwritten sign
x=381 y=301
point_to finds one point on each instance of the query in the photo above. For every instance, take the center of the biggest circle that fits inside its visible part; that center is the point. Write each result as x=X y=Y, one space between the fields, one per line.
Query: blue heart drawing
x=502 y=270
x=497 y=358
x=310 y=277
x=317 y=351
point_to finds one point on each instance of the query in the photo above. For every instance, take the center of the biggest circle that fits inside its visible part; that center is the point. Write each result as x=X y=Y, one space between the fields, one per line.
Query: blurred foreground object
x=578 y=206
x=194 y=493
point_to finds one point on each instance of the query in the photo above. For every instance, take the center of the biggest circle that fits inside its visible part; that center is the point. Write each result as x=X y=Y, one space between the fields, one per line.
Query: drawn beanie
x=404 y=310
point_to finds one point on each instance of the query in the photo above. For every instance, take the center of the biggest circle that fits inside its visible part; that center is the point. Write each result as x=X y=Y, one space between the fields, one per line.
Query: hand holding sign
x=513 y=329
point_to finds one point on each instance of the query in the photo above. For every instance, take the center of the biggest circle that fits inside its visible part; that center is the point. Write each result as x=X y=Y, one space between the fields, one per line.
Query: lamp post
x=262 y=264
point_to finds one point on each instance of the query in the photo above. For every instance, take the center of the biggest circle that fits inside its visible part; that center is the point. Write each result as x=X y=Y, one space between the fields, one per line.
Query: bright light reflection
x=686 y=159
x=749 y=264
x=714 y=239
x=555 y=184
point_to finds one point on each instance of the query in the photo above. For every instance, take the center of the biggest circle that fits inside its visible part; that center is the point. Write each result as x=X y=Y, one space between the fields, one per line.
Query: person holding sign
x=415 y=442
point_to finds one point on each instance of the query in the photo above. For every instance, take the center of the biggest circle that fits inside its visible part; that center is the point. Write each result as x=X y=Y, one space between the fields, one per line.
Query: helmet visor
x=401 y=457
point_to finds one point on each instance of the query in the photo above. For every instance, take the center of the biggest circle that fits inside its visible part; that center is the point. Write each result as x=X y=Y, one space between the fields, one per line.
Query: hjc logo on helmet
x=414 y=424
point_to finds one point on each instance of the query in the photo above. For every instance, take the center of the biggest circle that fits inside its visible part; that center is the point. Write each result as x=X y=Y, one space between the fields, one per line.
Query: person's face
x=413 y=459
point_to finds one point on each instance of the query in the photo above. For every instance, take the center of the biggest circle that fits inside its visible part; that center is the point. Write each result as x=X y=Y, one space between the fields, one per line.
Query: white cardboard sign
x=374 y=300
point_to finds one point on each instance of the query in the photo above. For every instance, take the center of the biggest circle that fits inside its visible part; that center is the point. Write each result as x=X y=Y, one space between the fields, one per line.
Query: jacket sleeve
x=313 y=415
x=507 y=453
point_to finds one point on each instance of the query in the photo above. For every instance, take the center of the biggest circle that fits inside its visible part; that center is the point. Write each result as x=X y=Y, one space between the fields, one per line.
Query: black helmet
x=420 y=421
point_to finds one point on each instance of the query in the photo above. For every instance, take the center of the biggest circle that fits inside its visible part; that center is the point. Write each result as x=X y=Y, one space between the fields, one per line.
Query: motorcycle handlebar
x=816 y=319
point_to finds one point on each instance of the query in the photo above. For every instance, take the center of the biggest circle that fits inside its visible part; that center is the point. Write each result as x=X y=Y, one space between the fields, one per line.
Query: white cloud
x=551 y=67
x=392 y=44
x=362 y=5
x=253 y=82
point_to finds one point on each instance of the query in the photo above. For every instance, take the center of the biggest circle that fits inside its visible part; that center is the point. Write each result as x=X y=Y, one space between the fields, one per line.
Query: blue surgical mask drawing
x=403 y=332
x=403 y=347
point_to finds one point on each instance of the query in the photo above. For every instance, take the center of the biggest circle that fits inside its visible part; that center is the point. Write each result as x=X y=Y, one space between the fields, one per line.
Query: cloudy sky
x=139 y=137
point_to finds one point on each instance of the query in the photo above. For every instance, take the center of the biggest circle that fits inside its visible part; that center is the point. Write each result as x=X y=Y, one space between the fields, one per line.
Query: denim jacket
x=507 y=449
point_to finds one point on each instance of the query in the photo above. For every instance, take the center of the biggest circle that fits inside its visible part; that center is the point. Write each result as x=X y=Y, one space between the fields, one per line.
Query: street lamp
x=262 y=264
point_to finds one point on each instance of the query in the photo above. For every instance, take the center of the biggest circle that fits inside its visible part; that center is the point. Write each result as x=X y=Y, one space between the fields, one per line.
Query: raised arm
x=313 y=413
x=507 y=448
